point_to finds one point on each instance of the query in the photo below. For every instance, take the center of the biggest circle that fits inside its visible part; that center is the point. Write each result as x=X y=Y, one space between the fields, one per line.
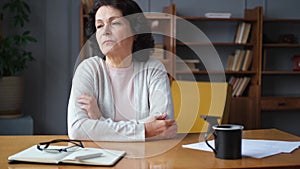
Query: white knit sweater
x=152 y=97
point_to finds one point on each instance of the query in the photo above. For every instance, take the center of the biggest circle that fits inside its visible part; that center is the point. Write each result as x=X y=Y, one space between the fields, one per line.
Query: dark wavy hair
x=139 y=25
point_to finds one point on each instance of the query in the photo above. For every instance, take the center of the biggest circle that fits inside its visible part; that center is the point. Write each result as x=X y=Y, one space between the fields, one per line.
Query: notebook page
x=32 y=154
x=108 y=157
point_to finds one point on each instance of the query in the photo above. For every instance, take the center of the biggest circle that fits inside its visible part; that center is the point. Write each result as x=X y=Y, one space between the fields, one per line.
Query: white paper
x=254 y=148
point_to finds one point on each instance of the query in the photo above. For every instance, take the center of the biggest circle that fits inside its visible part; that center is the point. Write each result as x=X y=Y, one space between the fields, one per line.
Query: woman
x=124 y=96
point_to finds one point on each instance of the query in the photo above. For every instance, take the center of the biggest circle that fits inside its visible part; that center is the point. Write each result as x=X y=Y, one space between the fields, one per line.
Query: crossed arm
x=87 y=122
x=156 y=127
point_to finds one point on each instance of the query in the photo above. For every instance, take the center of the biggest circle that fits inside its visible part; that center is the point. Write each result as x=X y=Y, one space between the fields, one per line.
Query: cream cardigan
x=152 y=97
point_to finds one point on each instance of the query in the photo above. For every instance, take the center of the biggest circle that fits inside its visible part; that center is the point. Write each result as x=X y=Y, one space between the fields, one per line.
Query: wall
x=55 y=24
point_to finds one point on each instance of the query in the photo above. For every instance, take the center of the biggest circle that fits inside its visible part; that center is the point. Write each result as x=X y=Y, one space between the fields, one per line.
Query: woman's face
x=114 y=34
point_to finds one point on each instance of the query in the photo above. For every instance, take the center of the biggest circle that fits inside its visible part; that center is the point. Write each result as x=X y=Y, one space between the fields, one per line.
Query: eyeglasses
x=44 y=146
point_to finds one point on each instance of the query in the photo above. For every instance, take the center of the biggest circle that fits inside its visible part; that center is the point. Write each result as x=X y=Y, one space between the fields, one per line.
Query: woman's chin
x=107 y=50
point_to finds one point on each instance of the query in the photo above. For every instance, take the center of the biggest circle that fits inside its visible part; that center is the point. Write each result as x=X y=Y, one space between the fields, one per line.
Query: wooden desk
x=173 y=157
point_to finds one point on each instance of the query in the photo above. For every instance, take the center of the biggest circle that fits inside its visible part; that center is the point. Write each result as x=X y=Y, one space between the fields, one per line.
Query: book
x=240 y=58
x=247 y=61
x=231 y=80
x=239 y=32
x=104 y=157
x=244 y=83
x=242 y=33
x=236 y=85
x=236 y=59
x=239 y=84
x=246 y=33
x=230 y=62
x=296 y=62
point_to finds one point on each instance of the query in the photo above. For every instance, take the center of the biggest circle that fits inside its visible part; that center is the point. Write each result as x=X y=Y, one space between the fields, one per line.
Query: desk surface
x=160 y=154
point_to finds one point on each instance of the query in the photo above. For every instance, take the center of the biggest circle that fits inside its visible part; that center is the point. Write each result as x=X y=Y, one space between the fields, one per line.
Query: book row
x=240 y=60
x=242 y=33
x=239 y=85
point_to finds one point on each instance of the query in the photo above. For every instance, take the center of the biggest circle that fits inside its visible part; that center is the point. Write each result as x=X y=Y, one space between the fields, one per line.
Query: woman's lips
x=108 y=41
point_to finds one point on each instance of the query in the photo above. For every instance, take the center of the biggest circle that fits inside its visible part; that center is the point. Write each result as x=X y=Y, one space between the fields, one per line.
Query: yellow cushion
x=192 y=99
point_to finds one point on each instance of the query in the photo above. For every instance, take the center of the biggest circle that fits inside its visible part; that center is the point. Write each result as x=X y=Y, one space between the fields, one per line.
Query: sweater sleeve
x=160 y=97
x=156 y=89
x=80 y=126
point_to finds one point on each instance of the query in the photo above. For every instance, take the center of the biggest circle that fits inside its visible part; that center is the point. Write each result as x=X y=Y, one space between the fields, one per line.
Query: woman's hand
x=89 y=104
x=160 y=128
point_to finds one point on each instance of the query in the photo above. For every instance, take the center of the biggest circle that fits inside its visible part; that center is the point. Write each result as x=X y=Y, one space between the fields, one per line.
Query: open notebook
x=105 y=157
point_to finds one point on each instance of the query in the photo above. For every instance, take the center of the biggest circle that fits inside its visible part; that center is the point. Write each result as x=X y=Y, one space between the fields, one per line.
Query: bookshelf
x=280 y=82
x=245 y=107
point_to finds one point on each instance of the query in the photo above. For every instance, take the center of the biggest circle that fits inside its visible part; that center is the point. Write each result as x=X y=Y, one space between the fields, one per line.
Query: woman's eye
x=99 y=26
x=116 y=23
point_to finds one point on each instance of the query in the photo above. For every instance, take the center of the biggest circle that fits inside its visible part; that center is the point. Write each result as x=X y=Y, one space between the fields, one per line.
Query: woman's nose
x=106 y=29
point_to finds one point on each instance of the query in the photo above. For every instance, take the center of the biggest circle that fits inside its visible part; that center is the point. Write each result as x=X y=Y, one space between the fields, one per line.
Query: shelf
x=242 y=98
x=196 y=18
x=213 y=43
x=281 y=45
x=281 y=72
x=274 y=53
x=217 y=72
x=241 y=72
x=281 y=20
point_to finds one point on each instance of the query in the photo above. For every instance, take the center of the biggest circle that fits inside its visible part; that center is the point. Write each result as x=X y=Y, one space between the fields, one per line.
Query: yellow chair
x=193 y=99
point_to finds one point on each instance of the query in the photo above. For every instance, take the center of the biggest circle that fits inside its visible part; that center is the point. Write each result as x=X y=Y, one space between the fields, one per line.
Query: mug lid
x=228 y=127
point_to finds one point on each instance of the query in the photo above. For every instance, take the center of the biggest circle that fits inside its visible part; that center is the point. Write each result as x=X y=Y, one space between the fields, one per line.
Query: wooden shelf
x=197 y=18
x=281 y=72
x=272 y=53
x=213 y=43
x=281 y=45
x=281 y=20
x=217 y=72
